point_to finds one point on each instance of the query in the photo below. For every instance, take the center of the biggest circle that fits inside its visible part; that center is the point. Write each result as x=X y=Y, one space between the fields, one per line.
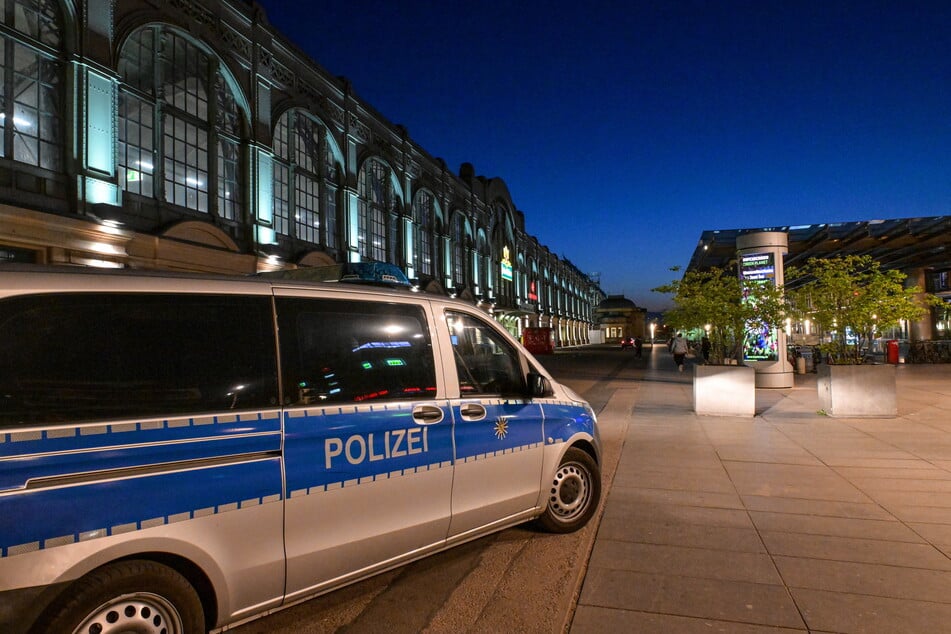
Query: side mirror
x=539 y=386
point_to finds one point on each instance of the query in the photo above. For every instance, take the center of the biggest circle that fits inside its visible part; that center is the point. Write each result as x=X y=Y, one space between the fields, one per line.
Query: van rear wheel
x=130 y=596
x=574 y=493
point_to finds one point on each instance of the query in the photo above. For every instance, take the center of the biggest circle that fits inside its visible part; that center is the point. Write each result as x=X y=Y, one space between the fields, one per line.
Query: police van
x=181 y=453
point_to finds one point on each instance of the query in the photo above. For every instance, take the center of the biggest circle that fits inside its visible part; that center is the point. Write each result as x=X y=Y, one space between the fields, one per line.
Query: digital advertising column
x=760 y=258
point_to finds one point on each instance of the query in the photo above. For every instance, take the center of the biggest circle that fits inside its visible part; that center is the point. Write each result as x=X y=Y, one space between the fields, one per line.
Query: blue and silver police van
x=182 y=453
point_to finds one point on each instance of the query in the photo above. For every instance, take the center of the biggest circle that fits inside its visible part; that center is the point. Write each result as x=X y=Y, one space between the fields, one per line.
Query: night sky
x=625 y=129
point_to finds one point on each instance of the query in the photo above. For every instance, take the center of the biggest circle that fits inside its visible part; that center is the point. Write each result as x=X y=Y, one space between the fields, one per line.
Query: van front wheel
x=573 y=494
x=130 y=596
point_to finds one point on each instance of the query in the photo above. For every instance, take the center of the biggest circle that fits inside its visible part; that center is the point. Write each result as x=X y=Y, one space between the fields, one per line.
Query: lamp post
x=653 y=325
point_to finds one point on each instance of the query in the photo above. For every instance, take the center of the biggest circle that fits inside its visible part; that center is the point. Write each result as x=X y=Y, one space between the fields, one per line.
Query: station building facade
x=190 y=135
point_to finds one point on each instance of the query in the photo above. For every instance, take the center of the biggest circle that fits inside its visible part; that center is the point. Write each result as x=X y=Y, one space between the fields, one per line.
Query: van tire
x=138 y=595
x=573 y=494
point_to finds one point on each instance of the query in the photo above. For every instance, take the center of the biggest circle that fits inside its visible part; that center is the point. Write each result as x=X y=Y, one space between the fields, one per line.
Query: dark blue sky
x=624 y=129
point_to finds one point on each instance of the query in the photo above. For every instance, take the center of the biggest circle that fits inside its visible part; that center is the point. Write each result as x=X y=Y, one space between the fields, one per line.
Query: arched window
x=32 y=84
x=179 y=124
x=377 y=203
x=424 y=211
x=305 y=180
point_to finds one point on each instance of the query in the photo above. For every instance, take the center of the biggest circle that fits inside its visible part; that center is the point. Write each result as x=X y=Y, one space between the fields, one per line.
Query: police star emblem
x=501 y=427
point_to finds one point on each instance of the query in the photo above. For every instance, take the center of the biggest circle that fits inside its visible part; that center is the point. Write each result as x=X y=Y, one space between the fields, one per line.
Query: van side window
x=68 y=358
x=336 y=351
x=485 y=361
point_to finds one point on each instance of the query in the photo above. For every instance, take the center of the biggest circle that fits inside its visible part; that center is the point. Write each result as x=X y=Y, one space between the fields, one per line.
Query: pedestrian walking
x=705 y=348
x=679 y=348
x=638 y=346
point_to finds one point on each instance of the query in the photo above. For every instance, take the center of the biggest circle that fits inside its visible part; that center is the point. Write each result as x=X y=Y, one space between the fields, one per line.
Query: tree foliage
x=851 y=298
x=730 y=307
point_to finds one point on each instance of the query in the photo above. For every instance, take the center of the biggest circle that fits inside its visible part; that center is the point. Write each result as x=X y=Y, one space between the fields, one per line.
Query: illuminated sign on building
x=506 y=265
x=758 y=267
x=761 y=343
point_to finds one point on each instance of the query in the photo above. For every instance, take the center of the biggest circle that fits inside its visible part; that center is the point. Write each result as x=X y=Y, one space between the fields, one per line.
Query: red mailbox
x=891 y=351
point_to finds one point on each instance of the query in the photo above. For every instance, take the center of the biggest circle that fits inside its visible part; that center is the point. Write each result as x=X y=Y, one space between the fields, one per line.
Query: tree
x=732 y=308
x=851 y=298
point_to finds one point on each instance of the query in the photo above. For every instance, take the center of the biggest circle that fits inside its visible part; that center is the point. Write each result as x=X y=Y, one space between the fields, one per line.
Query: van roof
x=18 y=278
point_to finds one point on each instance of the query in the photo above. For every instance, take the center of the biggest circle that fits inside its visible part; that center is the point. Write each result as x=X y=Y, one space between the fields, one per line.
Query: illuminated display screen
x=758 y=267
x=761 y=344
x=506 y=265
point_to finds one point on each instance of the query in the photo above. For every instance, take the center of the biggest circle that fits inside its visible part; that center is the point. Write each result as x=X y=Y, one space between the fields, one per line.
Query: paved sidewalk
x=788 y=522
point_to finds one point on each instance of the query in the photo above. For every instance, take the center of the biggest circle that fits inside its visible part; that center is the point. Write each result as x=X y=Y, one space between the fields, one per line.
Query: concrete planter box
x=724 y=390
x=857 y=390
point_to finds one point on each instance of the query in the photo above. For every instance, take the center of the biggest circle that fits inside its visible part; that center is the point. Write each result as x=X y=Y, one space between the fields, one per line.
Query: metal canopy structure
x=901 y=243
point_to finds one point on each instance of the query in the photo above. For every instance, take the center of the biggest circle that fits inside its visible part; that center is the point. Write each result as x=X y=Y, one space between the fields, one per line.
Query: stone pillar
x=760 y=257
x=921 y=330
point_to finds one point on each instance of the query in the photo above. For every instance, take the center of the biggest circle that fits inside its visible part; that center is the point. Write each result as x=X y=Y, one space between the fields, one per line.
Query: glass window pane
x=375 y=201
x=228 y=119
x=330 y=217
x=281 y=195
x=423 y=209
x=186 y=174
x=39 y=19
x=136 y=156
x=486 y=363
x=229 y=171
x=346 y=351
x=185 y=75
x=307 y=209
x=103 y=356
x=36 y=90
x=137 y=61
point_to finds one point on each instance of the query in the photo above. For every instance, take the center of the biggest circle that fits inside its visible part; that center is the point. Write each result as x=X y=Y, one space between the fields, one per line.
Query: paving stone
x=856 y=550
x=689 y=535
x=834 y=526
x=593 y=620
x=741 y=602
x=848 y=613
x=703 y=563
x=868 y=510
x=868 y=579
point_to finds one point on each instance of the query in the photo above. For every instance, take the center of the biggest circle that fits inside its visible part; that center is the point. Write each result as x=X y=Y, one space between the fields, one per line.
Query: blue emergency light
x=379 y=273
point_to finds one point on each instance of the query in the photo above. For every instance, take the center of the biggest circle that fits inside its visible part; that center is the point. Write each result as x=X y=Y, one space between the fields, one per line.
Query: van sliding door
x=368 y=447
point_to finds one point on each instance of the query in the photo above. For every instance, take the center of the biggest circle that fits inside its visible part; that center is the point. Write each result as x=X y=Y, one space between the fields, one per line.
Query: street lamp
x=653 y=325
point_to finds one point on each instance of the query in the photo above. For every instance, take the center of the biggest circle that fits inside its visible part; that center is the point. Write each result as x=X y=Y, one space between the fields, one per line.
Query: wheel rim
x=570 y=492
x=139 y=613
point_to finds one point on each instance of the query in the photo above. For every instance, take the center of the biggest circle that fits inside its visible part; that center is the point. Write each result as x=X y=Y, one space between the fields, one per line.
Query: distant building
x=192 y=136
x=619 y=317
x=918 y=247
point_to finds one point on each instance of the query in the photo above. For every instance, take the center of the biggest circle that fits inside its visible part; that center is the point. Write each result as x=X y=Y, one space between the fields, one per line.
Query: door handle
x=427 y=415
x=472 y=412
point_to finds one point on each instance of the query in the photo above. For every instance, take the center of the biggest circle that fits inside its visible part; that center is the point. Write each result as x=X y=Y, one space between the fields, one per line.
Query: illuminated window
x=306 y=166
x=424 y=209
x=377 y=202
x=180 y=125
x=31 y=84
